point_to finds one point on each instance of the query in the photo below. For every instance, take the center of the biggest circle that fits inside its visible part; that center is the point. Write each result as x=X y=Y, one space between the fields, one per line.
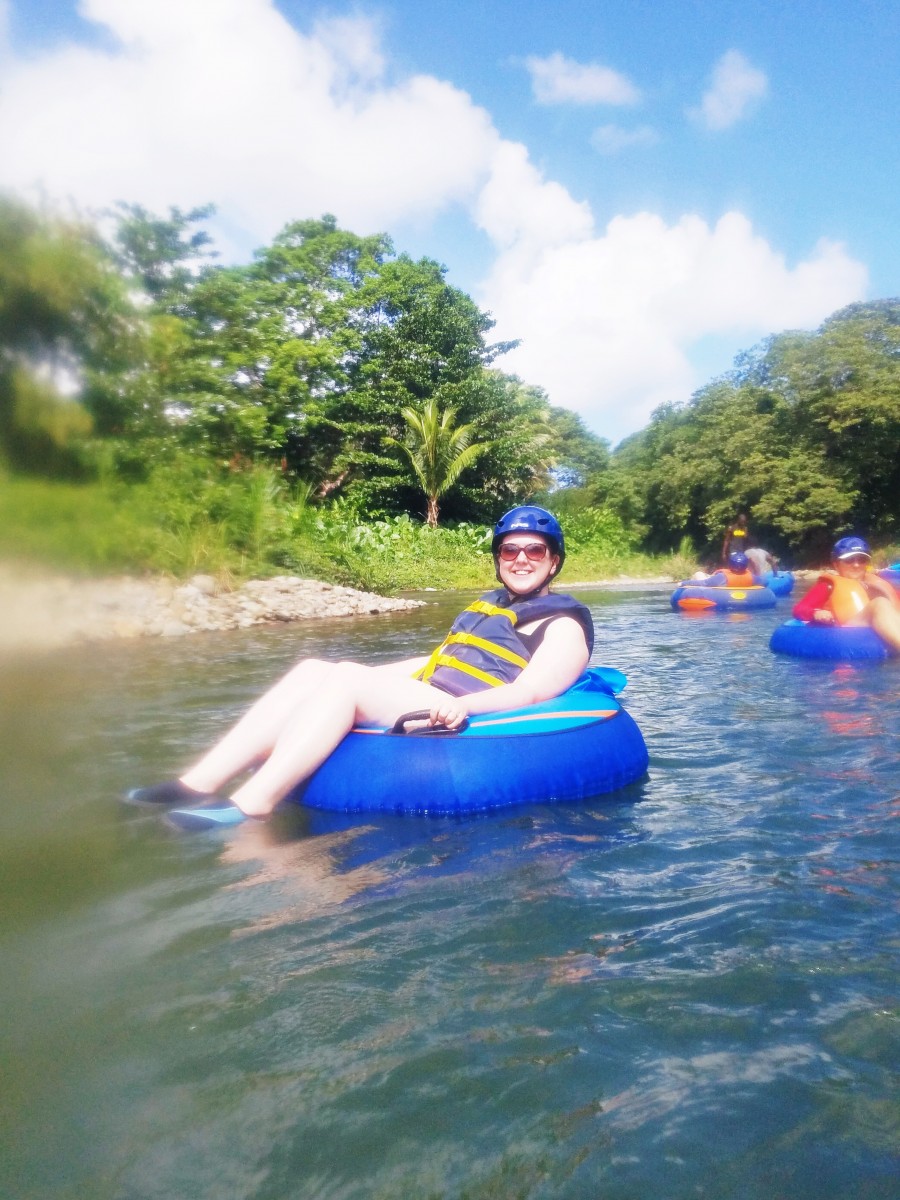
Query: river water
x=688 y=989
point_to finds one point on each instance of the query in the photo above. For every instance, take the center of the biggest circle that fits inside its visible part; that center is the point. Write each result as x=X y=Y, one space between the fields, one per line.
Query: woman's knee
x=307 y=674
x=879 y=609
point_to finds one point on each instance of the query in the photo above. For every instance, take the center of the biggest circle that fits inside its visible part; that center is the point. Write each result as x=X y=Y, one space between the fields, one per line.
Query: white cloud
x=611 y=139
x=522 y=212
x=607 y=321
x=560 y=80
x=736 y=85
x=224 y=101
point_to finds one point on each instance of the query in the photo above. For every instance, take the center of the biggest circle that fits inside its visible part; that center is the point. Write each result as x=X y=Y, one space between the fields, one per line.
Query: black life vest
x=483 y=650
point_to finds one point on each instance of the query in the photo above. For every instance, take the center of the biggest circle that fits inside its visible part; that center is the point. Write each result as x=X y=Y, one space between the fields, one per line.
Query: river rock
x=42 y=611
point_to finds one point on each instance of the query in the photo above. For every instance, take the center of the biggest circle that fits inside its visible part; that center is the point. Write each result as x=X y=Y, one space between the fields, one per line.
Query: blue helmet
x=528 y=518
x=738 y=560
x=849 y=547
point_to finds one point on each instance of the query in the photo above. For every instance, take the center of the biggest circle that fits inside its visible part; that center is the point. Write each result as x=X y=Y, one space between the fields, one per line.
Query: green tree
x=579 y=455
x=67 y=329
x=162 y=256
x=803 y=434
x=438 y=450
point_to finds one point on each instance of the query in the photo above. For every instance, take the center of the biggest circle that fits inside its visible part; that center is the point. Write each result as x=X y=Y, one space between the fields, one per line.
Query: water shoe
x=173 y=791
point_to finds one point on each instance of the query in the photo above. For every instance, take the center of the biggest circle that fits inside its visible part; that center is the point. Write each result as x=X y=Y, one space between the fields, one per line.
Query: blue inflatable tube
x=580 y=745
x=779 y=582
x=838 y=643
x=892 y=575
x=696 y=597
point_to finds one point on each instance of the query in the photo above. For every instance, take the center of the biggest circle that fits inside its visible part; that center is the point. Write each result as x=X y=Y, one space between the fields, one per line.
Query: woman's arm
x=877 y=586
x=811 y=606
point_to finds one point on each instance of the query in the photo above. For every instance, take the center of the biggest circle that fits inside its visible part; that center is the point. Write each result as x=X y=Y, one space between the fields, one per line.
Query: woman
x=517 y=645
x=852 y=594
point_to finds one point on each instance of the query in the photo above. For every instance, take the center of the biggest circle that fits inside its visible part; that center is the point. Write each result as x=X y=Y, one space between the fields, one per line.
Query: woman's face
x=525 y=562
x=852 y=568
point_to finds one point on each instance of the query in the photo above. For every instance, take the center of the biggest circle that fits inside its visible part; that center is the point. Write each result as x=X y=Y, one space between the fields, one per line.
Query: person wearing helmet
x=518 y=644
x=736 y=574
x=493 y=639
x=852 y=594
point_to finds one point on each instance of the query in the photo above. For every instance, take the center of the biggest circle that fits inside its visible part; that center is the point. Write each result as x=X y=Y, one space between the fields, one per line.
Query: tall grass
x=189 y=518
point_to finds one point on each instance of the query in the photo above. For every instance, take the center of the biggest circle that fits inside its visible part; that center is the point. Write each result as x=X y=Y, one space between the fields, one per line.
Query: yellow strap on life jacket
x=472 y=639
x=493 y=610
x=426 y=672
x=447 y=660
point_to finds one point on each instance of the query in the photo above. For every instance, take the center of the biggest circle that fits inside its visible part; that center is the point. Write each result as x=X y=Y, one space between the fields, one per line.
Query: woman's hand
x=823 y=616
x=449 y=711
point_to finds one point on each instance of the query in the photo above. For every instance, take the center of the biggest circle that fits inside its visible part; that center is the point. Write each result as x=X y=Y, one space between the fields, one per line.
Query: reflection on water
x=684 y=989
x=299 y=872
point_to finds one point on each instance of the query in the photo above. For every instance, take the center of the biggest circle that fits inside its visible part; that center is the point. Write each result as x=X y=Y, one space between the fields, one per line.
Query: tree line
x=358 y=373
x=362 y=377
x=803 y=434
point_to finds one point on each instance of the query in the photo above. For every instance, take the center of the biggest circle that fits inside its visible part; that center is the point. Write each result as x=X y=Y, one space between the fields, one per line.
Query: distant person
x=851 y=594
x=761 y=561
x=737 y=537
x=736 y=574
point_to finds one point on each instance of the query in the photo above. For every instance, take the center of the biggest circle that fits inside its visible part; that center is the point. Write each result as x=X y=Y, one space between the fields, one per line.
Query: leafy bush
x=397 y=554
x=193 y=517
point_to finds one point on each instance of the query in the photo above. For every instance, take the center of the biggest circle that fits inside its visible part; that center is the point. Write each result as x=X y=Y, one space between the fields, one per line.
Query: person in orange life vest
x=531 y=645
x=737 y=537
x=851 y=594
x=736 y=575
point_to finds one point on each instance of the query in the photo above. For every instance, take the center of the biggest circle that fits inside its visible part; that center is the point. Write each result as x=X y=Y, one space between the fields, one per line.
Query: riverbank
x=44 y=611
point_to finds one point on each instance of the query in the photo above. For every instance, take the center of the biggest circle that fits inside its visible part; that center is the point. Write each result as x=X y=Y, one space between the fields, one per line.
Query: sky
x=637 y=190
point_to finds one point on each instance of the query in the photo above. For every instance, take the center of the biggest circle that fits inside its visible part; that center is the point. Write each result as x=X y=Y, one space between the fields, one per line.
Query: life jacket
x=847 y=599
x=483 y=650
x=738 y=579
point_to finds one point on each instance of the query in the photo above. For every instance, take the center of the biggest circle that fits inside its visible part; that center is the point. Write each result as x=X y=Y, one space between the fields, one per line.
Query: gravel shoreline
x=44 y=611
x=41 y=611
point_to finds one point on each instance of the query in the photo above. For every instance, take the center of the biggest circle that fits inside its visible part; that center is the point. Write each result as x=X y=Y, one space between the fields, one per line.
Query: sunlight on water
x=684 y=989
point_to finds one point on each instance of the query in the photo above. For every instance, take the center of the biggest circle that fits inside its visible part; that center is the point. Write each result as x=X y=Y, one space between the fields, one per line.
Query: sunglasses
x=534 y=551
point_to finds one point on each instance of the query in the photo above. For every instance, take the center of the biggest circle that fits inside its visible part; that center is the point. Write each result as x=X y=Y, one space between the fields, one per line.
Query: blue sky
x=638 y=189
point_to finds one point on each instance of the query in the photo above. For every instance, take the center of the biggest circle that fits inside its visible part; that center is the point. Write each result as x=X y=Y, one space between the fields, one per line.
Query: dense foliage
x=317 y=358
x=262 y=416
x=804 y=435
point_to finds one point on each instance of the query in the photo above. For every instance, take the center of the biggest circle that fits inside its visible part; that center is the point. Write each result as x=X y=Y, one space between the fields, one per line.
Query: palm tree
x=438 y=450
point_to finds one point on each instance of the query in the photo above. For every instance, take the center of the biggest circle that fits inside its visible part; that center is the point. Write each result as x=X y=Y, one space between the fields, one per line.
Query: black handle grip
x=423 y=714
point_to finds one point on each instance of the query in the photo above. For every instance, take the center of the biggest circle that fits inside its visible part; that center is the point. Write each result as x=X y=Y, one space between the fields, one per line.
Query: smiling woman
x=515 y=646
x=851 y=595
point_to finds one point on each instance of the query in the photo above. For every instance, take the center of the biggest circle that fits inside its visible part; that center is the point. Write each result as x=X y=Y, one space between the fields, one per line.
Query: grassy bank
x=253 y=528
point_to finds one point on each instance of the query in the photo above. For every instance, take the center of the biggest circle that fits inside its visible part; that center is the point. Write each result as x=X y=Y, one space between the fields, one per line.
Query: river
x=686 y=989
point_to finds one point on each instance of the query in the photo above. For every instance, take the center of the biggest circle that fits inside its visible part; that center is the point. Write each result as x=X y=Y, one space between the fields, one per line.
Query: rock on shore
x=40 y=611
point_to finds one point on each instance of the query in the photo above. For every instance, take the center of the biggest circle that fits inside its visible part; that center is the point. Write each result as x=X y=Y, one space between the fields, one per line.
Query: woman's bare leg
x=256 y=732
x=884 y=617
x=350 y=693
